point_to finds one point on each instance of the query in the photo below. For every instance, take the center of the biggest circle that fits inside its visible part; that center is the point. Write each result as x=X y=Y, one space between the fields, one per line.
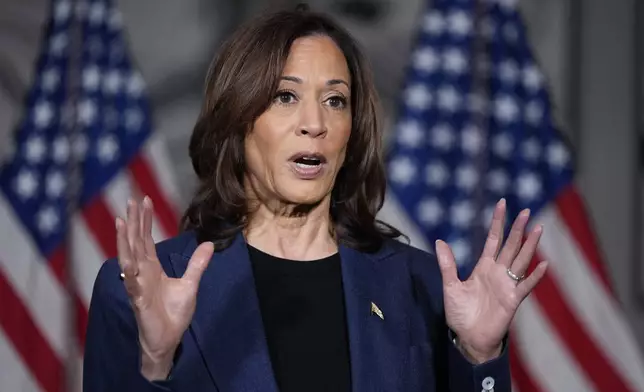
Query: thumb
x=446 y=263
x=198 y=262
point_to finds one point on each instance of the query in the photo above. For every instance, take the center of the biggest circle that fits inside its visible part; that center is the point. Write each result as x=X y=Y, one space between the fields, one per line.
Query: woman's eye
x=337 y=102
x=285 y=97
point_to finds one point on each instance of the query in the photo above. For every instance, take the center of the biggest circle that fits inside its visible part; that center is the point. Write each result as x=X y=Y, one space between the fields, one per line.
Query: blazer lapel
x=227 y=323
x=378 y=343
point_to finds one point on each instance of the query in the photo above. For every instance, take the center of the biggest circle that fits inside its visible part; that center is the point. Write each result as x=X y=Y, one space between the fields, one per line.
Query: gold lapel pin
x=375 y=309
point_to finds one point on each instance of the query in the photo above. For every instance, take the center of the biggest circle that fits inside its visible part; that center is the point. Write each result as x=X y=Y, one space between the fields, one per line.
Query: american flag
x=87 y=105
x=475 y=125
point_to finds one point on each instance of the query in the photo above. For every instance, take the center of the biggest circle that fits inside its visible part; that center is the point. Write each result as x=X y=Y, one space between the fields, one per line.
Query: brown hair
x=241 y=84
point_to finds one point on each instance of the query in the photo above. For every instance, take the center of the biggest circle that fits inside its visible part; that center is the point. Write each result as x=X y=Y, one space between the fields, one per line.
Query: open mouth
x=306 y=160
x=308 y=165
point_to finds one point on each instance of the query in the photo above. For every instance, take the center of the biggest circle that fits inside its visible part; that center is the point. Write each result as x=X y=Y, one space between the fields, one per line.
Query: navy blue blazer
x=225 y=350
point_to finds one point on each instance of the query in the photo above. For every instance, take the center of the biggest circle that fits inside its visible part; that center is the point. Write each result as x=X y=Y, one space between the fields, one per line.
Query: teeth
x=308 y=161
x=303 y=164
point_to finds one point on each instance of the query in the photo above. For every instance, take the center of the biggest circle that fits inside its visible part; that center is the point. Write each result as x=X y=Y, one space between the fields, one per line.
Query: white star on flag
x=425 y=60
x=460 y=23
x=442 y=136
x=43 y=114
x=410 y=133
x=430 y=211
x=462 y=214
x=35 y=150
x=466 y=177
x=505 y=109
x=402 y=171
x=107 y=149
x=91 y=78
x=87 y=112
x=434 y=24
x=557 y=156
x=50 y=79
x=26 y=184
x=419 y=97
x=472 y=141
x=528 y=186
x=436 y=174
x=498 y=181
x=48 y=220
x=455 y=61
x=55 y=184
x=60 y=152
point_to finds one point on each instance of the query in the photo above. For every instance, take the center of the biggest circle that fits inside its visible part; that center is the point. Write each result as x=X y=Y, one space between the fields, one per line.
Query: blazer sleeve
x=452 y=370
x=112 y=355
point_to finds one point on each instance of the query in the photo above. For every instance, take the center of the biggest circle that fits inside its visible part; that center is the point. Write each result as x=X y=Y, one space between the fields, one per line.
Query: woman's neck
x=297 y=236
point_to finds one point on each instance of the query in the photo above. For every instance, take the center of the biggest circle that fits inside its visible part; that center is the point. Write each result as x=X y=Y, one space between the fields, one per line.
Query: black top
x=302 y=306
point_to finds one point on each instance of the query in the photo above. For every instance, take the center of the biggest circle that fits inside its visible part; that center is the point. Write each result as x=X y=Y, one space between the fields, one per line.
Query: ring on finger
x=513 y=276
x=122 y=275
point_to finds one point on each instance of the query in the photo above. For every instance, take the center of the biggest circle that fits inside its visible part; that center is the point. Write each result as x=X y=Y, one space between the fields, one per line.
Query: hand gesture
x=480 y=309
x=163 y=306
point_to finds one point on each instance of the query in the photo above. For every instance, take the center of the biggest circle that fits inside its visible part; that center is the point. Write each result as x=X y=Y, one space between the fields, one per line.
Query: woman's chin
x=304 y=196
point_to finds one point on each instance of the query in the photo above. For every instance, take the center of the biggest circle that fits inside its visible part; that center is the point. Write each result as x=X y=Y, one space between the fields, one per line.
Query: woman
x=283 y=279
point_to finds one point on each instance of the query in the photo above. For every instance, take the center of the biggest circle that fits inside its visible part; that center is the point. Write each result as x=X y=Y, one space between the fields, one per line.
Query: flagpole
x=479 y=97
x=74 y=180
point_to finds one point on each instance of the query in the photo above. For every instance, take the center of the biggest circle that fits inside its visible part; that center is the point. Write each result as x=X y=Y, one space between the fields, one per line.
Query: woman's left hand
x=479 y=310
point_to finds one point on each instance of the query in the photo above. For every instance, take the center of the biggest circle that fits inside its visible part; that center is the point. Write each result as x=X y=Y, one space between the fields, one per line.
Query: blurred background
x=590 y=58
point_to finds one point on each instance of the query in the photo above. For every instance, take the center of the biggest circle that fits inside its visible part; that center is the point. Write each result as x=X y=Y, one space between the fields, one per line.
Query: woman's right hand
x=163 y=306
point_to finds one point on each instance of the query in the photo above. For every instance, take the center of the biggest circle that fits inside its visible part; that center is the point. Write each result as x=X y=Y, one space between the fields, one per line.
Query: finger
x=198 y=262
x=126 y=261
x=122 y=245
x=146 y=229
x=495 y=234
x=521 y=263
x=528 y=284
x=513 y=244
x=446 y=263
x=133 y=230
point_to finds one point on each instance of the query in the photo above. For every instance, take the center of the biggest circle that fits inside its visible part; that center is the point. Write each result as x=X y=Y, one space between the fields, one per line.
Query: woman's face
x=297 y=146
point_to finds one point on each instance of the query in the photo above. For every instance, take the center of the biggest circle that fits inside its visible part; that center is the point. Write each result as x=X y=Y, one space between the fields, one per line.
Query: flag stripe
x=147 y=183
x=33 y=281
x=545 y=354
x=81 y=313
x=592 y=361
x=519 y=369
x=100 y=222
x=122 y=188
x=87 y=259
x=570 y=208
x=155 y=153
x=15 y=376
x=57 y=263
x=596 y=310
x=33 y=347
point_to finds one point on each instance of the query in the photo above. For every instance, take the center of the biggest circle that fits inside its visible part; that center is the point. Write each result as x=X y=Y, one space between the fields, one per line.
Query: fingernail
x=117 y=222
x=501 y=202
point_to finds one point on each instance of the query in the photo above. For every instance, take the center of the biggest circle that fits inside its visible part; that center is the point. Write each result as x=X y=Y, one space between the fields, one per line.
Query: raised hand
x=163 y=306
x=480 y=309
